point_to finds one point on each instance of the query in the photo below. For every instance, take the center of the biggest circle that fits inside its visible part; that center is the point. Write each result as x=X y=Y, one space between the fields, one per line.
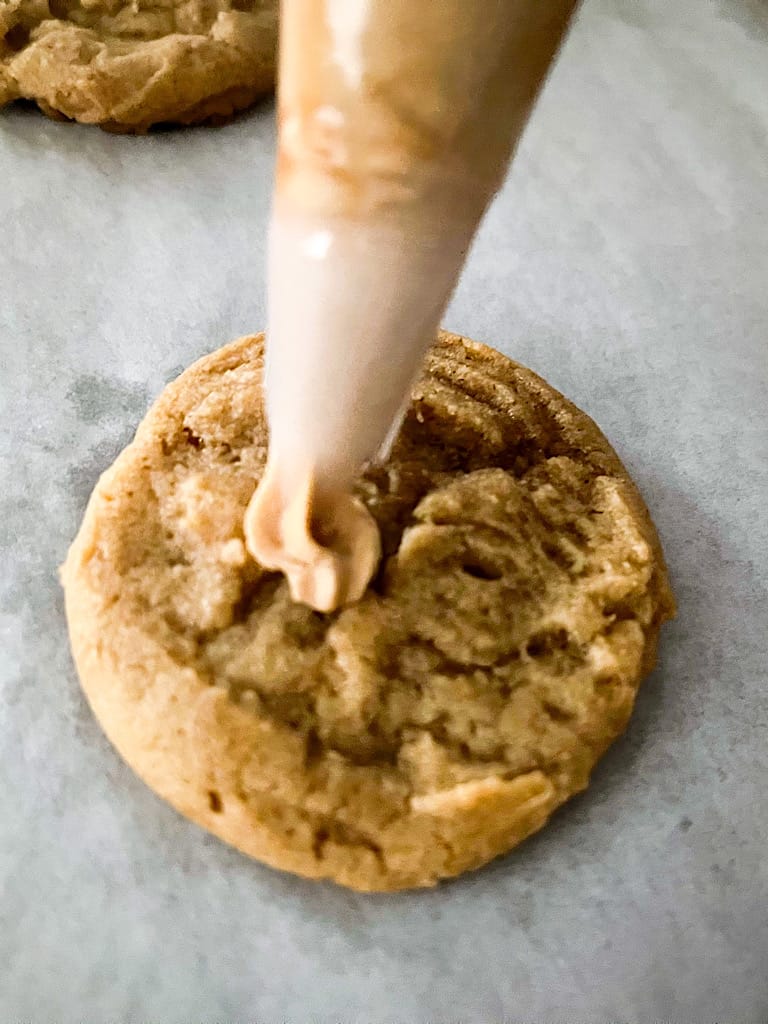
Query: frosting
x=386 y=104
x=396 y=124
x=326 y=544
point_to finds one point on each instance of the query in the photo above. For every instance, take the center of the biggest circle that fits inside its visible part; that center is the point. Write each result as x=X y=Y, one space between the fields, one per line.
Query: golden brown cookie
x=431 y=726
x=129 y=64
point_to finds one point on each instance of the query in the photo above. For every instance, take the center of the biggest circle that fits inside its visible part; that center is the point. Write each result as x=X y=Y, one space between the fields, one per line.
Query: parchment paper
x=627 y=261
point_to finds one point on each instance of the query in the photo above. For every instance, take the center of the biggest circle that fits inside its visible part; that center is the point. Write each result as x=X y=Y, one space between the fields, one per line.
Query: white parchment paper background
x=627 y=261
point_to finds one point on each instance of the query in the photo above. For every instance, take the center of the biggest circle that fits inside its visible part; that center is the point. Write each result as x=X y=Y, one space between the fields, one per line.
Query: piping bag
x=397 y=120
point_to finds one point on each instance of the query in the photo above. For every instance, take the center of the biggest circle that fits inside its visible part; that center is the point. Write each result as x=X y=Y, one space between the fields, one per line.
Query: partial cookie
x=129 y=64
x=431 y=726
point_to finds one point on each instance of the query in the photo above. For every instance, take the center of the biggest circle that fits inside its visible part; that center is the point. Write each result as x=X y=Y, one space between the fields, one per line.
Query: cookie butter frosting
x=396 y=124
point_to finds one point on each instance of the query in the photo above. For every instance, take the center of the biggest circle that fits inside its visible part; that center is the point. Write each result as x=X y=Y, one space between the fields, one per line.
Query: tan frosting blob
x=327 y=545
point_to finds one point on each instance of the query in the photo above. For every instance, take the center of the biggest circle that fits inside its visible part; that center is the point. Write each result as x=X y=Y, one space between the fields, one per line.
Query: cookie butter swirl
x=396 y=124
x=327 y=544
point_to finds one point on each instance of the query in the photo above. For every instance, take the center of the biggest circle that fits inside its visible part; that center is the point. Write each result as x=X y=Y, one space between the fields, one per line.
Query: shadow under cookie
x=437 y=722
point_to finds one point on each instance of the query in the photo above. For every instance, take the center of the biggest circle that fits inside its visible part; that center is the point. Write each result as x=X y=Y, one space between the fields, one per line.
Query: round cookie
x=129 y=64
x=431 y=726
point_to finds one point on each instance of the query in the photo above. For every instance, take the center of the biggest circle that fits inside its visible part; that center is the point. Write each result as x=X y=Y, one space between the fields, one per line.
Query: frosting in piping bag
x=396 y=124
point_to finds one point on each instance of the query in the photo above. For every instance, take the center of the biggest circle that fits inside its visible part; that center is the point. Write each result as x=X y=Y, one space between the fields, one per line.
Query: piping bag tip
x=327 y=545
